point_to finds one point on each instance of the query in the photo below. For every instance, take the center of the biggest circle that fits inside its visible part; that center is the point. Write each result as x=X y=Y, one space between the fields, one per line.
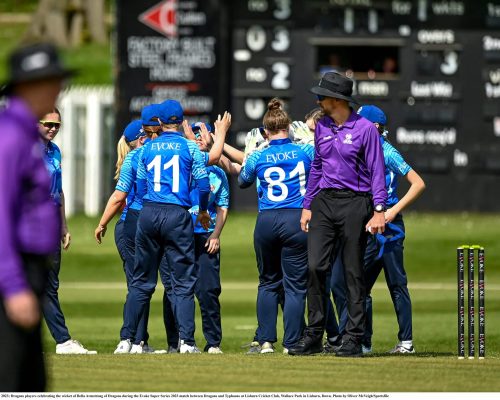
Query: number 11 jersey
x=168 y=164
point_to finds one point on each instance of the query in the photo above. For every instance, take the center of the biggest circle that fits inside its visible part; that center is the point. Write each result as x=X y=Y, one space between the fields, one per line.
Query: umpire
x=346 y=185
x=30 y=222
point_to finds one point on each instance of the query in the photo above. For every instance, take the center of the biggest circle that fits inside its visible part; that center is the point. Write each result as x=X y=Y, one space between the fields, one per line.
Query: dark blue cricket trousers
x=281 y=252
x=163 y=229
x=52 y=312
x=208 y=290
x=169 y=320
x=397 y=282
x=125 y=242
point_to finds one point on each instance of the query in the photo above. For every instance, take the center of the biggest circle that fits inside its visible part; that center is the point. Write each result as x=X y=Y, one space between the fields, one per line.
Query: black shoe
x=350 y=348
x=332 y=345
x=308 y=344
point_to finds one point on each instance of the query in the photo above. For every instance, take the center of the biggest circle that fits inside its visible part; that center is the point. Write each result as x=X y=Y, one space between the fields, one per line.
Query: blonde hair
x=169 y=127
x=276 y=118
x=122 y=149
x=315 y=114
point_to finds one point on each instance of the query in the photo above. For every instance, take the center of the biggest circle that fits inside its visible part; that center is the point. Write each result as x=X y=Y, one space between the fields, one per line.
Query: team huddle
x=329 y=220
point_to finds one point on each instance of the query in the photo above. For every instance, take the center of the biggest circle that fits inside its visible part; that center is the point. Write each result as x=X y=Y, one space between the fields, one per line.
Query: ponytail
x=122 y=149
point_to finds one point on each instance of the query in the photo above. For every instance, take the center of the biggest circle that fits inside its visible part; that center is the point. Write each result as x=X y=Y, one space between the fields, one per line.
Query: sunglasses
x=51 y=124
x=320 y=98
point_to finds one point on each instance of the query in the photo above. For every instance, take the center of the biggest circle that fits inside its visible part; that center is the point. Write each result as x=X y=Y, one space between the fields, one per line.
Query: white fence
x=88 y=144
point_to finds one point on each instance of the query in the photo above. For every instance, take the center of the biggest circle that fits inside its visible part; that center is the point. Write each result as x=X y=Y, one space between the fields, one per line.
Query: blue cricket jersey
x=394 y=165
x=127 y=181
x=53 y=163
x=282 y=170
x=219 y=196
x=166 y=168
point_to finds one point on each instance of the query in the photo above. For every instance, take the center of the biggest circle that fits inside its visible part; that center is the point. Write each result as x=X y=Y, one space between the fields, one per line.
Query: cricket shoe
x=123 y=347
x=172 y=350
x=214 y=350
x=266 y=348
x=350 y=348
x=144 y=348
x=366 y=349
x=332 y=345
x=150 y=350
x=254 y=348
x=307 y=345
x=72 y=347
x=285 y=350
x=366 y=346
x=402 y=348
x=188 y=349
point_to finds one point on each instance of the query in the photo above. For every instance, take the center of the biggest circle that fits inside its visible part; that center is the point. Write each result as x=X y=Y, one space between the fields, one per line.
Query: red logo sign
x=162 y=17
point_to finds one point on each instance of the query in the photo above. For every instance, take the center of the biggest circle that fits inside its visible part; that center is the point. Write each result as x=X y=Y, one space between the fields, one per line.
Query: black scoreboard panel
x=432 y=65
x=170 y=49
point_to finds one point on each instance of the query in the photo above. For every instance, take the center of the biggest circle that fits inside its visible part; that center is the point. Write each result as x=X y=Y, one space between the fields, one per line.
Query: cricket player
x=166 y=169
x=282 y=169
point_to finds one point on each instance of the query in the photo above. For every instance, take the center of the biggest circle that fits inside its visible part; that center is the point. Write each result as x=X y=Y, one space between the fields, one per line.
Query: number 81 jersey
x=282 y=169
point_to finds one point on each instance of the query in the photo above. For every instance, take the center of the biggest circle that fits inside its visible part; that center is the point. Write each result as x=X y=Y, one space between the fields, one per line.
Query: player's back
x=168 y=163
x=282 y=170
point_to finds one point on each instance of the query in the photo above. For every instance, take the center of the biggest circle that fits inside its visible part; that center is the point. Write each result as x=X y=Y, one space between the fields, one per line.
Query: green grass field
x=93 y=291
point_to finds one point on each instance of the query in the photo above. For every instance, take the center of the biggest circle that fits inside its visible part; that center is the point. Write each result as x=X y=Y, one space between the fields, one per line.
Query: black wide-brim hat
x=34 y=63
x=333 y=84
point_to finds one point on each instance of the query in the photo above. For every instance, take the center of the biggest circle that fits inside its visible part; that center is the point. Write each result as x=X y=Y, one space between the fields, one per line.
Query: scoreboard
x=432 y=65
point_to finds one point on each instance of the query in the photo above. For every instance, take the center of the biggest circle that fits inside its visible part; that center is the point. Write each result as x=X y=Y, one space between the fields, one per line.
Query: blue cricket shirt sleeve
x=222 y=197
x=126 y=180
x=207 y=158
x=57 y=156
x=141 y=183
x=248 y=172
x=394 y=160
x=200 y=175
x=315 y=175
x=57 y=152
x=309 y=150
x=59 y=182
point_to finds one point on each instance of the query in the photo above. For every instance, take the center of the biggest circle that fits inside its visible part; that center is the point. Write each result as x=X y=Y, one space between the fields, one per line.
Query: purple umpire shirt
x=347 y=157
x=29 y=219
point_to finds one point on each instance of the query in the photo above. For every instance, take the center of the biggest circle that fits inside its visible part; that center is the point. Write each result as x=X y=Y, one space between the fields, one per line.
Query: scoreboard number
x=280 y=79
x=281 y=40
x=450 y=63
x=255 y=108
x=256 y=38
x=283 y=9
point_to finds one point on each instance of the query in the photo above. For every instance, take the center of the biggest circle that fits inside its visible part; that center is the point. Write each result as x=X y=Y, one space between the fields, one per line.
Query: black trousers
x=21 y=358
x=338 y=217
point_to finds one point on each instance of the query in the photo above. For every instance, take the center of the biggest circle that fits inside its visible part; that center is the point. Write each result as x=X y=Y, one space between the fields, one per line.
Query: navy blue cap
x=388 y=240
x=170 y=112
x=373 y=114
x=133 y=131
x=196 y=127
x=150 y=114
